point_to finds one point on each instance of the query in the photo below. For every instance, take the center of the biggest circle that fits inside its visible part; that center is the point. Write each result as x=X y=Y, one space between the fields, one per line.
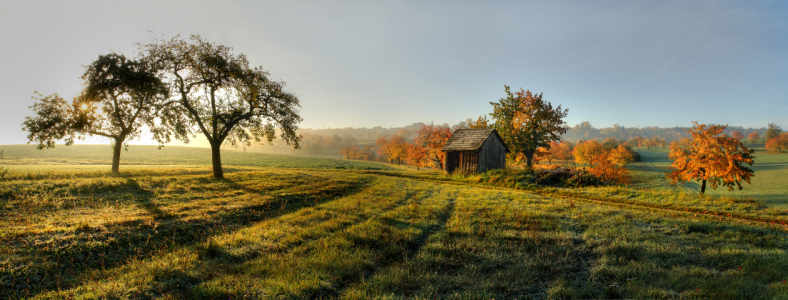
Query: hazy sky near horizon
x=393 y=63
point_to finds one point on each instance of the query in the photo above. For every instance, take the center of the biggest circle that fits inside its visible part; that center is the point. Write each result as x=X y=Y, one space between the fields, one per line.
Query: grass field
x=310 y=230
x=98 y=157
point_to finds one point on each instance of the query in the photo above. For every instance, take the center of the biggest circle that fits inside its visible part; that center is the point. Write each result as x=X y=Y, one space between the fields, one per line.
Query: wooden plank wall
x=492 y=155
x=468 y=160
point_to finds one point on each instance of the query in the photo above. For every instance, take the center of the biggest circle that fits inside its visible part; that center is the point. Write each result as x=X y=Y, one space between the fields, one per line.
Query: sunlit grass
x=335 y=229
x=278 y=233
x=26 y=157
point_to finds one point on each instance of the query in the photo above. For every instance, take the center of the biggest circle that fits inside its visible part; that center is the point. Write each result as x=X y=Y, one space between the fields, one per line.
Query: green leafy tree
x=772 y=132
x=121 y=96
x=228 y=101
x=526 y=122
x=480 y=123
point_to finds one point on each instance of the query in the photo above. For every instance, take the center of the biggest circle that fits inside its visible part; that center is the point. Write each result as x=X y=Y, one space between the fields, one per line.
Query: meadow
x=298 y=227
x=98 y=157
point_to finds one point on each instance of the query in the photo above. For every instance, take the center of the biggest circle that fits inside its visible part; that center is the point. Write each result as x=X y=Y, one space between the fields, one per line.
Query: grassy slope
x=265 y=233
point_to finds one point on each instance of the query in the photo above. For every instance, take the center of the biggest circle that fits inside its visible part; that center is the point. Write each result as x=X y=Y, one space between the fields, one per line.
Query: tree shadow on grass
x=391 y=251
x=62 y=263
x=216 y=257
x=446 y=263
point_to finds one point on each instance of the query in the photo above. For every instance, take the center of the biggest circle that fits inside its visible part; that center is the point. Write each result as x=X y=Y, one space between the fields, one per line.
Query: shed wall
x=492 y=155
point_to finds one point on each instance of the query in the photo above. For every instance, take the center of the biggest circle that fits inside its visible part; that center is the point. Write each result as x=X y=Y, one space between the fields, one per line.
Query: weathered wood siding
x=492 y=155
x=474 y=150
x=461 y=161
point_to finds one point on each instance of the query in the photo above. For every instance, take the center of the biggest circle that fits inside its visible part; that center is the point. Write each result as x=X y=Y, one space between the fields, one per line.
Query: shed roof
x=470 y=139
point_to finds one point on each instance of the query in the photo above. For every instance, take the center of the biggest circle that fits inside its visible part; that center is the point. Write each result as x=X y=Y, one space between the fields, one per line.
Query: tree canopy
x=526 y=122
x=711 y=157
x=226 y=99
x=120 y=97
x=432 y=138
x=778 y=143
x=772 y=132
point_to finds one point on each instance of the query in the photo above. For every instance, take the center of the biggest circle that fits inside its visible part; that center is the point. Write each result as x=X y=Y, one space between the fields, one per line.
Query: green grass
x=321 y=228
x=292 y=233
x=96 y=157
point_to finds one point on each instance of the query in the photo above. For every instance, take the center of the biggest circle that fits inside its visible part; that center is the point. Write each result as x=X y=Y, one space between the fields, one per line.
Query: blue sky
x=393 y=63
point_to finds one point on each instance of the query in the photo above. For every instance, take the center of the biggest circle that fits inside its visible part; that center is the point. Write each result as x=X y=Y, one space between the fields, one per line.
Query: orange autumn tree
x=753 y=137
x=416 y=156
x=603 y=167
x=392 y=148
x=711 y=157
x=554 y=153
x=620 y=156
x=368 y=153
x=585 y=151
x=778 y=143
x=558 y=151
x=432 y=138
x=737 y=135
x=351 y=152
x=382 y=145
x=607 y=164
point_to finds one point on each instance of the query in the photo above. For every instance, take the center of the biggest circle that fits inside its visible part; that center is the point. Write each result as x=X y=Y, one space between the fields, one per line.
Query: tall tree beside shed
x=526 y=122
x=229 y=101
x=711 y=157
x=121 y=96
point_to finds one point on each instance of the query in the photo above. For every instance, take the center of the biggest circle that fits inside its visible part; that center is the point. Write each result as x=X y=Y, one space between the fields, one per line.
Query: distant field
x=96 y=157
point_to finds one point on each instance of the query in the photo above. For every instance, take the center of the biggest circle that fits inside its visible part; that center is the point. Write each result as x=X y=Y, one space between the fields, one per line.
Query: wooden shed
x=475 y=150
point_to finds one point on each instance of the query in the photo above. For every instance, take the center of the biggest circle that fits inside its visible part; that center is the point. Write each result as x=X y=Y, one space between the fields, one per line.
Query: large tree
x=711 y=157
x=526 y=122
x=228 y=101
x=121 y=96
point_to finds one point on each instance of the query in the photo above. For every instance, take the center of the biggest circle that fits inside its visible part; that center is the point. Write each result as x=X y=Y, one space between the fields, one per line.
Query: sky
x=394 y=63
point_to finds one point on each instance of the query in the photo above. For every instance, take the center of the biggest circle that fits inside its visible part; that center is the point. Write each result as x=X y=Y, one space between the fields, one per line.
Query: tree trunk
x=703 y=187
x=217 y=160
x=116 y=154
x=529 y=158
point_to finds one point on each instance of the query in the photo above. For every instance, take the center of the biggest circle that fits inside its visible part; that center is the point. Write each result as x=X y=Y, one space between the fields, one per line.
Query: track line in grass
x=689 y=211
x=224 y=253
